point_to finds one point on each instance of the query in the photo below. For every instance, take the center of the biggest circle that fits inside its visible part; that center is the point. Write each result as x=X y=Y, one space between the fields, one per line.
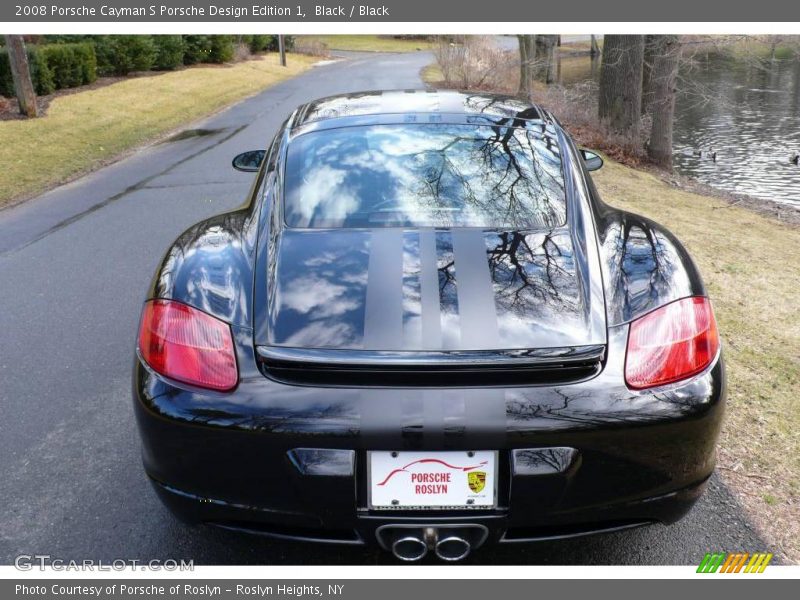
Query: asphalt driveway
x=74 y=267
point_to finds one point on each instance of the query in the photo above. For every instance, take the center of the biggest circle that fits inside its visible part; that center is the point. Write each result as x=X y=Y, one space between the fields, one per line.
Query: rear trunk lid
x=402 y=293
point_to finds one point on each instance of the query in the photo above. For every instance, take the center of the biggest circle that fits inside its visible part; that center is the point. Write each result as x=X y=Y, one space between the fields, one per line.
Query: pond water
x=748 y=112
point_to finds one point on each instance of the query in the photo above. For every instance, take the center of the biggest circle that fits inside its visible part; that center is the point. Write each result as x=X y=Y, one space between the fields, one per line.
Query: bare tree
x=20 y=72
x=663 y=78
x=527 y=58
x=620 y=104
x=650 y=47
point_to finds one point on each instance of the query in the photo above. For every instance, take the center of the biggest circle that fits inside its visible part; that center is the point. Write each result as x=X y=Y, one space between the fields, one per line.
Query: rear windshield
x=425 y=175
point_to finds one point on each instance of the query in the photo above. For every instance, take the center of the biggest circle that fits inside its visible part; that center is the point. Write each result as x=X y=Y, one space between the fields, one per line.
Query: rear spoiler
x=322 y=358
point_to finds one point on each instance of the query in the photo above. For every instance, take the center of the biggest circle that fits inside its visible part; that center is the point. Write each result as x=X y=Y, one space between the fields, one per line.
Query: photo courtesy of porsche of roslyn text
x=401 y=298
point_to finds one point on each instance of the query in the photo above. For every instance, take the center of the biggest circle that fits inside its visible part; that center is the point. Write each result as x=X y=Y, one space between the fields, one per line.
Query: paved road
x=74 y=265
x=509 y=42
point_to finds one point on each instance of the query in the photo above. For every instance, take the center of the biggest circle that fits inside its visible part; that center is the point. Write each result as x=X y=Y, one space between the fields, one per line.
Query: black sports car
x=425 y=330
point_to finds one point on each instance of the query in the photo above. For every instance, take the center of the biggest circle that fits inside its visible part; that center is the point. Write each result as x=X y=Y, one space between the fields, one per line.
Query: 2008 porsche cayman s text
x=425 y=330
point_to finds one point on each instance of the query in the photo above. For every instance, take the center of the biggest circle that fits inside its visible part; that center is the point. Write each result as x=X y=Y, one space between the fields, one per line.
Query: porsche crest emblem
x=476 y=480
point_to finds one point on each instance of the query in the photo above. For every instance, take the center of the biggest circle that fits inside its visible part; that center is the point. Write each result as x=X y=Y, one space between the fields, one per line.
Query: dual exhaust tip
x=450 y=544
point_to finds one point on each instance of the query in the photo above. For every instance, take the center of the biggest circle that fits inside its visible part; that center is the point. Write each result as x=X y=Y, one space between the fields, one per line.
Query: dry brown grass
x=751 y=265
x=364 y=43
x=475 y=63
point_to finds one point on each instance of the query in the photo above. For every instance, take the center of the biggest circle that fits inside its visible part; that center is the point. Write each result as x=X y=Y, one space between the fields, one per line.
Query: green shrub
x=288 y=41
x=41 y=77
x=71 y=65
x=197 y=49
x=207 y=49
x=222 y=49
x=169 y=52
x=84 y=52
x=262 y=43
x=6 y=80
x=123 y=54
x=60 y=58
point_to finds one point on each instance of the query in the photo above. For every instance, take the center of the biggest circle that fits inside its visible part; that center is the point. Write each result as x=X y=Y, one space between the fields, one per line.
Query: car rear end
x=425 y=373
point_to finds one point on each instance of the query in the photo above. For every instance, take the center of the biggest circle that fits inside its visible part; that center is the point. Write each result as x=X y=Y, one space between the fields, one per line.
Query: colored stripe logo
x=737 y=562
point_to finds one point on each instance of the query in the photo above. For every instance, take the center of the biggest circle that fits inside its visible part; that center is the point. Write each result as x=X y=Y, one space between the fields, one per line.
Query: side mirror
x=249 y=161
x=591 y=159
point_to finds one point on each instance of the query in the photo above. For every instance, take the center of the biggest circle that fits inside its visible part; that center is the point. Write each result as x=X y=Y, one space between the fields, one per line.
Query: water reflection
x=752 y=122
x=746 y=111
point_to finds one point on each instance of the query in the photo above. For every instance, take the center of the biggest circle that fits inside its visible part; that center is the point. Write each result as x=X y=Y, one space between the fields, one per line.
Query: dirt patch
x=189 y=133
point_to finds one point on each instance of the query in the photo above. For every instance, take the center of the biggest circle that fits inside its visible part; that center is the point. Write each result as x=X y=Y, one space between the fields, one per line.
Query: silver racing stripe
x=485 y=416
x=429 y=291
x=477 y=310
x=383 y=312
x=412 y=291
x=433 y=402
x=448 y=294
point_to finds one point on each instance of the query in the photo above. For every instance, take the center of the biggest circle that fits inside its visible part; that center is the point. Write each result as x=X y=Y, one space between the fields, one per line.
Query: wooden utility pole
x=594 y=48
x=20 y=72
x=282 y=50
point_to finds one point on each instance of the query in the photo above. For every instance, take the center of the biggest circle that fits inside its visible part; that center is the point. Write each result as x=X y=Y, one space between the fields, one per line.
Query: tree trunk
x=620 y=105
x=547 y=68
x=20 y=72
x=666 y=58
x=650 y=48
x=527 y=57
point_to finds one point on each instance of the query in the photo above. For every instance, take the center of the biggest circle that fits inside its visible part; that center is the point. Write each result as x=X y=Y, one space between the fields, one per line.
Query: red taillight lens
x=672 y=343
x=188 y=345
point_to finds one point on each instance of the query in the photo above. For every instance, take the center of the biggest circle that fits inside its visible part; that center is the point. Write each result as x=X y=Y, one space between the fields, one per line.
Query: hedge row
x=122 y=54
x=53 y=67
x=68 y=60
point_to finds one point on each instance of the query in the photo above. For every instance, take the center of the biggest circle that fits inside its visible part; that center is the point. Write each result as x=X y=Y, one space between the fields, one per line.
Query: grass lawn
x=367 y=43
x=82 y=131
x=751 y=266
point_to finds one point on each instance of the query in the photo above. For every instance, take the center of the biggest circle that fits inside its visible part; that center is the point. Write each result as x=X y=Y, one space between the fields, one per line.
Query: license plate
x=432 y=480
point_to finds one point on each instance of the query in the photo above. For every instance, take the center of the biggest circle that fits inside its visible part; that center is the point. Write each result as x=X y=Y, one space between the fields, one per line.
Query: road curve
x=75 y=264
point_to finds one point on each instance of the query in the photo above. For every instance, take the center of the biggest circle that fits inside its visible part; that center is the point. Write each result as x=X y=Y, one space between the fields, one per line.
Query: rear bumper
x=633 y=457
x=291 y=526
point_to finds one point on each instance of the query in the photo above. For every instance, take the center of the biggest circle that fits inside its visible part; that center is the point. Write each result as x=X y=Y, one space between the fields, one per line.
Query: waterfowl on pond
x=710 y=153
x=795 y=160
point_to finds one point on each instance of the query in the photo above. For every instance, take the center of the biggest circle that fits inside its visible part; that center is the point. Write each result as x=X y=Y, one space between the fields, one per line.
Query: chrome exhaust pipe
x=452 y=548
x=450 y=542
x=410 y=548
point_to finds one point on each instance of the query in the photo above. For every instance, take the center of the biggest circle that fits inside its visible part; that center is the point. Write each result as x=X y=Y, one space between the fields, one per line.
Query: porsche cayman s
x=425 y=330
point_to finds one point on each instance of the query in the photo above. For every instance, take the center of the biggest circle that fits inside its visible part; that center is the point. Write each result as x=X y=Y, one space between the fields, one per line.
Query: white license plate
x=430 y=480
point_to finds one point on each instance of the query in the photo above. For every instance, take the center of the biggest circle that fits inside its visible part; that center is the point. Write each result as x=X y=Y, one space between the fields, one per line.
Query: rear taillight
x=672 y=343
x=188 y=345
